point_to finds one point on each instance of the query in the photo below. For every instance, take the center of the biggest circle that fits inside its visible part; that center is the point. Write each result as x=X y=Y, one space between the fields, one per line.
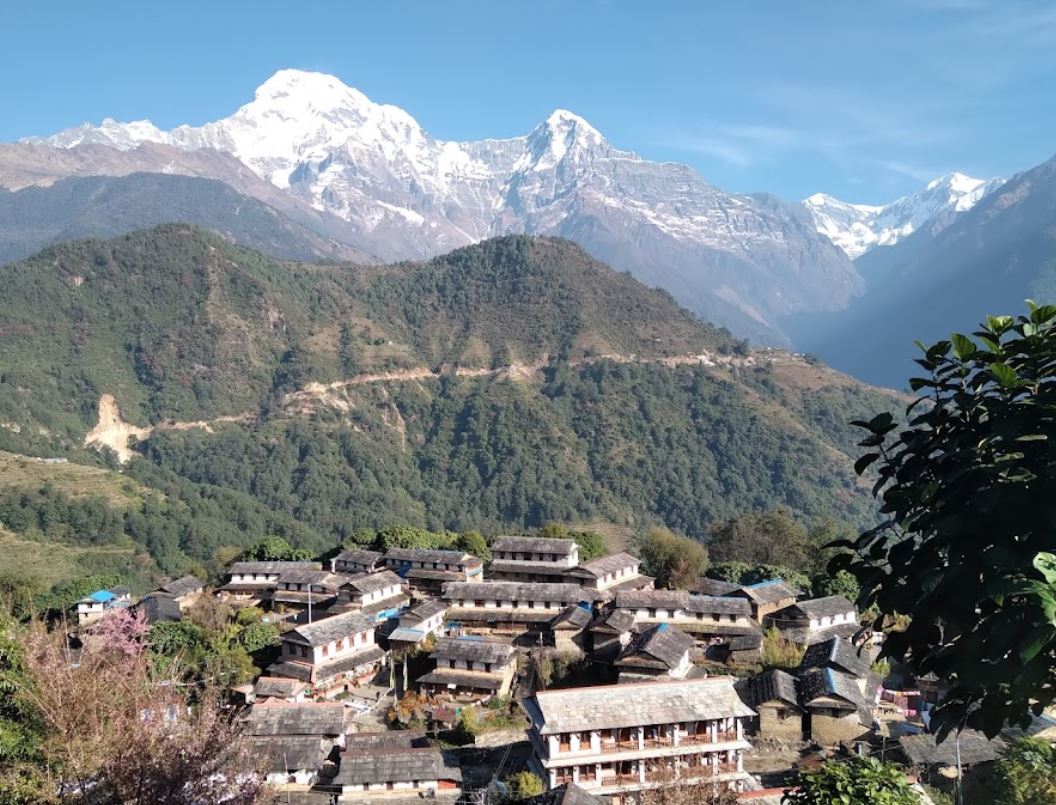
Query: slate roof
x=277 y=687
x=405 y=634
x=819 y=683
x=307 y=718
x=612 y=706
x=358 y=556
x=533 y=545
x=651 y=599
x=290 y=752
x=469 y=650
x=769 y=591
x=805 y=636
x=422 y=612
x=572 y=617
x=365 y=656
x=718 y=605
x=512 y=591
x=271 y=567
x=386 y=740
x=604 y=565
x=495 y=615
x=708 y=586
x=329 y=629
x=825 y=607
x=618 y=621
x=975 y=748
x=182 y=586
x=462 y=679
x=374 y=581
x=770 y=686
x=313 y=576
x=839 y=654
x=393 y=766
x=430 y=556
x=662 y=646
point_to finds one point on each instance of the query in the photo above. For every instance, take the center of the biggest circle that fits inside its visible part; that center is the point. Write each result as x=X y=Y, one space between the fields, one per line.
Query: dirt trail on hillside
x=113 y=432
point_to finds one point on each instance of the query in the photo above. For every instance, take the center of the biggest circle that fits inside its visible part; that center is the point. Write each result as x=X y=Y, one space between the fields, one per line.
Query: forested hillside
x=502 y=386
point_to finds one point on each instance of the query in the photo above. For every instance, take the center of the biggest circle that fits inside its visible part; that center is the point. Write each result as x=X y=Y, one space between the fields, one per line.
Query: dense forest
x=542 y=386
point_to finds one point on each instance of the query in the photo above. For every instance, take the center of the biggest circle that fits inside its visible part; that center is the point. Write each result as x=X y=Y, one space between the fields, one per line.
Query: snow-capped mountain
x=857 y=228
x=740 y=260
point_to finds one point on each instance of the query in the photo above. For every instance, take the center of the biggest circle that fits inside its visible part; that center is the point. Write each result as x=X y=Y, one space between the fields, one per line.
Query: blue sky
x=864 y=100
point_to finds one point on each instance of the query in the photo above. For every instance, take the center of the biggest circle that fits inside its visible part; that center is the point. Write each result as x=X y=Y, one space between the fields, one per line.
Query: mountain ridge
x=731 y=258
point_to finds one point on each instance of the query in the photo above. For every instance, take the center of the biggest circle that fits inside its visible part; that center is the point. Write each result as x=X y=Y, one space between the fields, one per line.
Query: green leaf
x=1045 y=564
x=963 y=346
x=1005 y=375
x=1037 y=643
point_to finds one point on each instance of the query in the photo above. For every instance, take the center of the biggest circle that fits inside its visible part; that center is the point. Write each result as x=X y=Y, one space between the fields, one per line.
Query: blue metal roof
x=102 y=596
x=766 y=583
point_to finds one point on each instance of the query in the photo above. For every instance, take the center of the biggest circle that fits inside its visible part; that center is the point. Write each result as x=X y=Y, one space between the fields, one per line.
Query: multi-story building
x=470 y=667
x=607 y=574
x=298 y=588
x=532 y=559
x=254 y=582
x=816 y=620
x=619 y=739
x=506 y=607
x=712 y=620
x=380 y=595
x=427 y=570
x=332 y=655
x=766 y=597
x=356 y=560
x=417 y=623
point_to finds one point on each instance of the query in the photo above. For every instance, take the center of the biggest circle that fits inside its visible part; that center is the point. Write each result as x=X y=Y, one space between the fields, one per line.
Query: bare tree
x=118 y=732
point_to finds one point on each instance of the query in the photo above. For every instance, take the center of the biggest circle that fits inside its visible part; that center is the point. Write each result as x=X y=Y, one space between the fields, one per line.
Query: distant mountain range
x=859 y=228
x=313 y=169
x=325 y=148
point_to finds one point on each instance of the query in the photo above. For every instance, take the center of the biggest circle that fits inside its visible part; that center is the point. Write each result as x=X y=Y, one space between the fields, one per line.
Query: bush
x=780 y=653
x=854 y=780
x=523 y=786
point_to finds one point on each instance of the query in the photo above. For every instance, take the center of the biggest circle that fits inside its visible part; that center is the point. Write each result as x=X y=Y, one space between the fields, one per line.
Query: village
x=537 y=677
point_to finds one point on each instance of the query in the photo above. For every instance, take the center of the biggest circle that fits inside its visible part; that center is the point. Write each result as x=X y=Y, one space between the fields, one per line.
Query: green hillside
x=500 y=386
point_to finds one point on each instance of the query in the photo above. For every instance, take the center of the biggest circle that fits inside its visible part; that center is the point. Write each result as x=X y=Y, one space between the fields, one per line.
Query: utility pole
x=309 y=602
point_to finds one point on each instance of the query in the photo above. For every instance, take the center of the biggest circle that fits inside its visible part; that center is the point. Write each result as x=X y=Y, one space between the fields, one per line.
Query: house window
x=478 y=603
x=565 y=743
x=326 y=651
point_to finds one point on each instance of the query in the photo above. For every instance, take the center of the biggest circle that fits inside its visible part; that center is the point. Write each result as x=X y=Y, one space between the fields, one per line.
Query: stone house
x=532 y=559
x=274 y=687
x=570 y=629
x=355 y=561
x=427 y=570
x=774 y=695
x=384 y=766
x=417 y=623
x=379 y=595
x=250 y=583
x=332 y=655
x=838 y=710
x=659 y=652
x=816 y=620
x=185 y=591
x=611 y=631
x=470 y=668
x=295 y=739
x=766 y=597
x=618 y=739
x=713 y=621
x=607 y=574
x=299 y=588
x=506 y=607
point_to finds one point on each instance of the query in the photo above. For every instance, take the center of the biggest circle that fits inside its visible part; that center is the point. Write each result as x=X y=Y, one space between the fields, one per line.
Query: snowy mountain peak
x=858 y=228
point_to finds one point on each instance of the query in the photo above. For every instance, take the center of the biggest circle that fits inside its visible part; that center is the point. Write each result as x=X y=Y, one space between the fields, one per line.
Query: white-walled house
x=508 y=607
x=623 y=738
x=816 y=620
x=355 y=561
x=386 y=765
x=94 y=605
x=254 y=582
x=332 y=655
x=381 y=595
x=427 y=570
x=470 y=667
x=532 y=559
x=620 y=571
